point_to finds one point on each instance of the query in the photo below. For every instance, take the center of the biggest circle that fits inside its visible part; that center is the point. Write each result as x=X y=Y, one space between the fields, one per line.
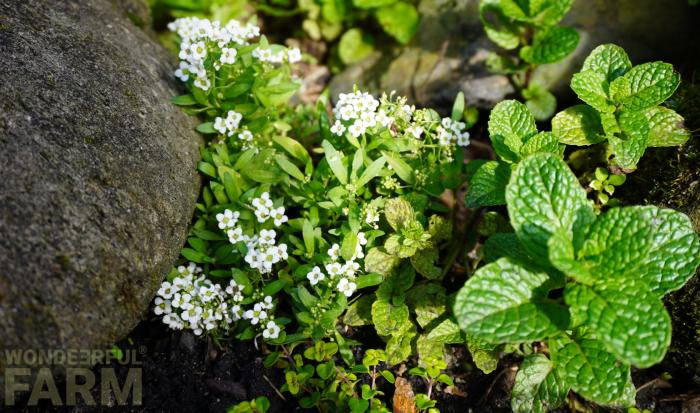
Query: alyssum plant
x=286 y=241
x=309 y=227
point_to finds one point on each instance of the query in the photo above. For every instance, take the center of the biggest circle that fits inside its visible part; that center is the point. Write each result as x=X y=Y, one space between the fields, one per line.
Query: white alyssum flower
x=227 y=219
x=266 y=303
x=278 y=216
x=272 y=330
x=256 y=314
x=166 y=290
x=334 y=252
x=334 y=269
x=228 y=55
x=315 y=276
x=346 y=287
x=338 y=128
x=235 y=235
x=294 y=55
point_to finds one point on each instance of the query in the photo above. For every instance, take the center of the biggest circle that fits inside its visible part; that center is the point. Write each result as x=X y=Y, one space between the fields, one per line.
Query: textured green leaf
x=650 y=84
x=484 y=355
x=609 y=60
x=398 y=213
x=591 y=371
x=505 y=245
x=510 y=125
x=389 y=319
x=429 y=349
x=400 y=20
x=544 y=196
x=380 y=262
x=428 y=301
x=629 y=148
x=592 y=87
x=498 y=27
x=551 y=45
x=505 y=303
x=398 y=348
x=666 y=127
x=620 y=88
x=539 y=101
x=543 y=142
x=539 y=12
x=578 y=125
x=424 y=262
x=488 y=185
x=650 y=244
x=538 y=386
x=447 y=332
x=630 y=321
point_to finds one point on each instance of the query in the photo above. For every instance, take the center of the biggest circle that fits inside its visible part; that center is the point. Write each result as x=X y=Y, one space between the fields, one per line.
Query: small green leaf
x=398 y=213
x=578 y=125
x=510 y=125
x=400 y=20
x=651 y=84
x=499 y=28
x=289 y=167
x=380 y=262
x=389 y=319
x=402 y=169
x=538 y=386
x=335 y=161
x=292 y=147
x=485 y=356
x=540 y=102
x=505 y=303
x=424 y=262
x=447 y=332
x=398 y=348
x=488 y=185
x=184 y=100
x=371 y=172
x=359 y=313
x=458 y=107
x=591 y=371
x=592 y=88
x=609 y=60
x=551 y=45
x=629 y=148
x=666 y=127
x=206 y=128
x=371 y=4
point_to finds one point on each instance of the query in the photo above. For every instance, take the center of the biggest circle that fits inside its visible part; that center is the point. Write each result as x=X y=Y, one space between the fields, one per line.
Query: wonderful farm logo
x=67 y=377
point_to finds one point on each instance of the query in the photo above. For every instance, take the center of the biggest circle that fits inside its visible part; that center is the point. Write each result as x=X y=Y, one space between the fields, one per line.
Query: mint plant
x=532 y=29
x=589 y=288
x=622 y=107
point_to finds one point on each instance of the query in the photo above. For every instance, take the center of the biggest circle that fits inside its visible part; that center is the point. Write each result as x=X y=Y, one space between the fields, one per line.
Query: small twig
x=274 y=388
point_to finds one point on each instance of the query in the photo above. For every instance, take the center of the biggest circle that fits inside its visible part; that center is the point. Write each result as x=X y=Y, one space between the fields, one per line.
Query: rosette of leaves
x=513 y=135
x=589 y=287
x=622 y=107
x=531 y=30
x=404 y=312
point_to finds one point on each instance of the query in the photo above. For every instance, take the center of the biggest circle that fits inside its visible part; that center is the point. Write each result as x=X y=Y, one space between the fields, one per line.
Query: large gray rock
x=449 y=51
x=98 y=174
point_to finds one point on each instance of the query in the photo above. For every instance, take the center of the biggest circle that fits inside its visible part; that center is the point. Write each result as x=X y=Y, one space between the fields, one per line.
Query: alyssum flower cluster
x=208 y=46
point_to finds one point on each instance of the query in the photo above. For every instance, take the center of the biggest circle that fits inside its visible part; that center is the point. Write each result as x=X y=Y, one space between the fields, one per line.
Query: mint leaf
x=650 y=85
x=355 y=45
x=544 y=196
x=498 y=27
x=510 y=125
x=424 y=262
x=620 y=88
x=398 y=213
x=650 y=244
x=590 y=370
x=541 y=13
x=484 y=355
x=506 y=303
x=488 y=185
x=666 y=127
x=398 y=348
x=629 y=148
x=592 y=87
x=505 y=245
x=378 y=261
x=543 y=142
x=551 y=45
x=400 y=20
x=609 y=60
x=538 y=386
x=578 y=125
x=631 y=321
x=389 y=319
x=447 y=332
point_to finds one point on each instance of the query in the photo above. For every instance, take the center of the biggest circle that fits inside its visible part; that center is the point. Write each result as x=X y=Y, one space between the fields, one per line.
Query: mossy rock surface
x=98 y=174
